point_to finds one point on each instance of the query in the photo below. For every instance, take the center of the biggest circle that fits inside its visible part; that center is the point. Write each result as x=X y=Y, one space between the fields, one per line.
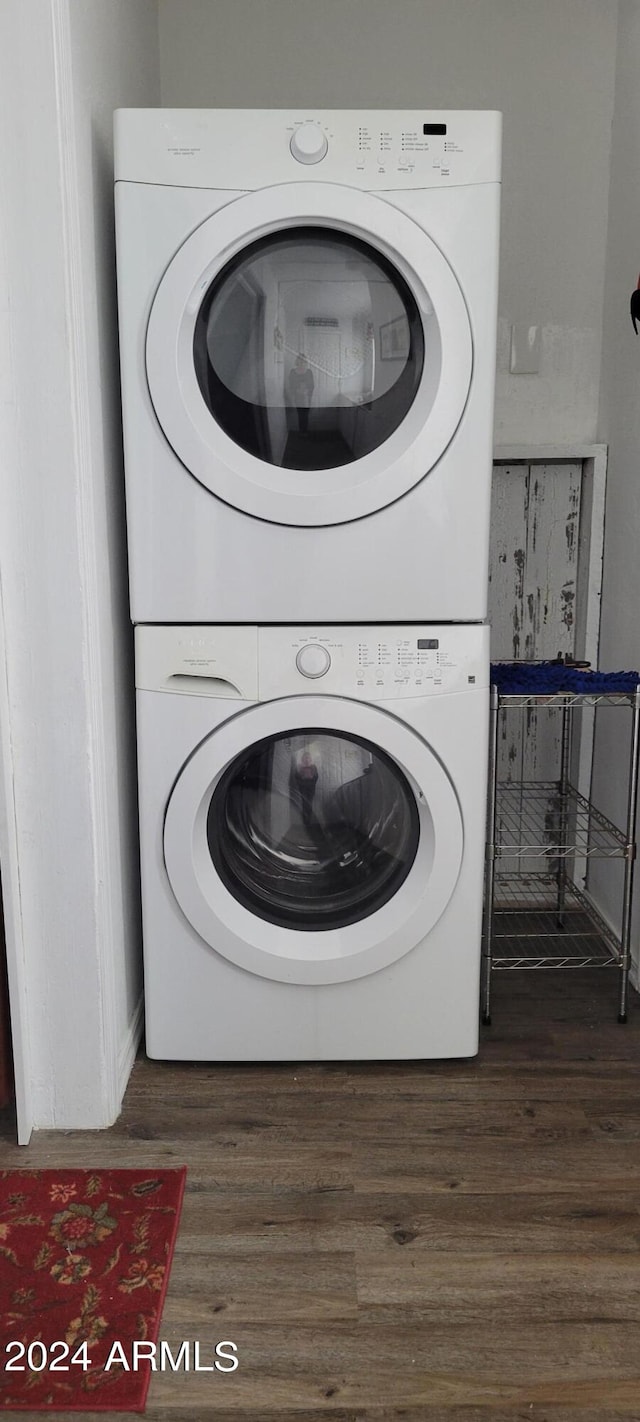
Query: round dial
x=308 y=144
x=313 y=660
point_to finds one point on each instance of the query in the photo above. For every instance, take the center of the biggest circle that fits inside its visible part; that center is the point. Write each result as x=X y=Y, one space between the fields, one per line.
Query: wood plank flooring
x=418 y=1241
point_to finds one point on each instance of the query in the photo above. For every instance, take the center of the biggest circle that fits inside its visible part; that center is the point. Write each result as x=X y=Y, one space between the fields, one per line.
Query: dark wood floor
x=455 y=1240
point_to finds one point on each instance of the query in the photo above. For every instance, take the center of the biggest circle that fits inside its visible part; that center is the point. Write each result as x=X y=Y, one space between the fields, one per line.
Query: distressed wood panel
x=507 y=558
x=550 y=581
x=532 y=602
x=532 y=594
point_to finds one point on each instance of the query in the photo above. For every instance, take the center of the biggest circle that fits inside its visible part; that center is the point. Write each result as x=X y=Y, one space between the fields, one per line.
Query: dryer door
x=313 y=839
x=309 y=354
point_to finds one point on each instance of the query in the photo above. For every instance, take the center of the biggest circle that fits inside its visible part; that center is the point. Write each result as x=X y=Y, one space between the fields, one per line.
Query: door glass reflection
x=309 y=349
x=313 y=830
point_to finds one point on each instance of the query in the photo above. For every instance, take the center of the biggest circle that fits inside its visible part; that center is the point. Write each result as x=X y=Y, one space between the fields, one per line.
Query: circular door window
x=309 y=354
x=309 y=349
x=313 y=830
x=313 y=839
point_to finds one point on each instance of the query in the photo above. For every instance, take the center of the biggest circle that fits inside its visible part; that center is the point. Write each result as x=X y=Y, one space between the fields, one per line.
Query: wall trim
x=12 y=909
x=129 y=1048
x=80 y=404
x=615 y=928
x=547 y=453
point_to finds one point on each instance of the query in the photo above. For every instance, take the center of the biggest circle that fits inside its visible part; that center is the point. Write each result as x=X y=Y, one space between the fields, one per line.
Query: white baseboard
x=634 y=967
x=129 y=1048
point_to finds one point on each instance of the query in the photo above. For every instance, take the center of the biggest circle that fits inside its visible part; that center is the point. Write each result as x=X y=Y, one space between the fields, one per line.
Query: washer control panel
x=367 y=663
x=380 y=663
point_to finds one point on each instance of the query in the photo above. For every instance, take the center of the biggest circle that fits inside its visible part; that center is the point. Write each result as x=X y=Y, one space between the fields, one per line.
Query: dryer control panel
x=250 y=149
x=380 y=663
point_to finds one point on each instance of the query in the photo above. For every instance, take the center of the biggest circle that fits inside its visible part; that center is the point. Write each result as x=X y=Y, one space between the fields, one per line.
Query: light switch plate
x=525 y=350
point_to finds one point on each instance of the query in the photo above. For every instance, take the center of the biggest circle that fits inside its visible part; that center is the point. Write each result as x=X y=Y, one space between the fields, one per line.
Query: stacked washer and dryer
x=307 y=322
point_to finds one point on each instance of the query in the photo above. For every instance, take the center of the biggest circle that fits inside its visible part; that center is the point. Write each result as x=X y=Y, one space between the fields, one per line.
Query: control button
x=308 y=144
x=313 y=660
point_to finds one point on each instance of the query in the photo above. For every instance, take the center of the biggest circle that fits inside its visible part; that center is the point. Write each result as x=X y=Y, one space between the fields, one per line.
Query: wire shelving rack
x=536 y=914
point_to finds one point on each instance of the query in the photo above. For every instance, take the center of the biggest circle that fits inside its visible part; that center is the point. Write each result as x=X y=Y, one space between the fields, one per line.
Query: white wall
x=620 y=427
x=114 y=62
x=63 y=68
x=548 y=66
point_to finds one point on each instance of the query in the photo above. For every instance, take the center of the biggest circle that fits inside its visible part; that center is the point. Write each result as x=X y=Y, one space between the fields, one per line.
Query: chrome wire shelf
x=528 y=934
x=537 y=917
x=539 y=819
x=516 y=700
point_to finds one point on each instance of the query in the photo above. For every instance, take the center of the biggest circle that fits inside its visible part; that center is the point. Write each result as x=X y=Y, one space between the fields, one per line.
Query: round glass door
x=312 y=839
x=309 y=349
x=313 y=830
x=309 y=354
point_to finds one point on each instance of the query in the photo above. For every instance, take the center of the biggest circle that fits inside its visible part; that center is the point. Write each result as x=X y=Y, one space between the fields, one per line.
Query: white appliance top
x=381 y=663
x=247 y=149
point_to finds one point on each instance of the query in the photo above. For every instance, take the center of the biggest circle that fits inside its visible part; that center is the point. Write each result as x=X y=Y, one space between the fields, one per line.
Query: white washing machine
x=307 y=322
x=312 y=807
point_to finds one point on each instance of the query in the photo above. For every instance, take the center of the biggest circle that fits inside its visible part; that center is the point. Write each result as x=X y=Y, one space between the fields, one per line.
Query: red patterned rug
x=84 y=1266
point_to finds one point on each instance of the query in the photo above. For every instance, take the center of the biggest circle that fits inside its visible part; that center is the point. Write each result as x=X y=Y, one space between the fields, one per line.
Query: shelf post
x=490 y=856
x=565 y=755
x=629 y=859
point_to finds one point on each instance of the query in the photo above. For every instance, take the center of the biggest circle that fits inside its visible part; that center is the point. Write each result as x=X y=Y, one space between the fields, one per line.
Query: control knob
x=308 y=143
x=313 y=660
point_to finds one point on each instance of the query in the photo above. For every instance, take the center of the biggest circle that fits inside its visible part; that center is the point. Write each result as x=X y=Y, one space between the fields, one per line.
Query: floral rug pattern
x=84 y=1264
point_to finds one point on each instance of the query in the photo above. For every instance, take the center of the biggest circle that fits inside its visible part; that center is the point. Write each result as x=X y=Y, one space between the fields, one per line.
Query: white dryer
x=312 y=809
x=307 y=323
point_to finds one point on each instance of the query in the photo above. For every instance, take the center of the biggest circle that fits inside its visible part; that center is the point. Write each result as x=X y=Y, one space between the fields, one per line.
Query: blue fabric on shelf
x=532 y=678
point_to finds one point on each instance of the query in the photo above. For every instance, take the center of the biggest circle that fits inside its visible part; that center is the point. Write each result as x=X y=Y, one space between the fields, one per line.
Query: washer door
x=309 y=354
x=313 y=839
